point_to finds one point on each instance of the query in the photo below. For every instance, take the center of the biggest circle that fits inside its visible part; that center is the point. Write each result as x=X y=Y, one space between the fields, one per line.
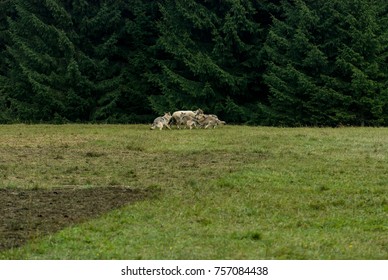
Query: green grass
x=235 y=192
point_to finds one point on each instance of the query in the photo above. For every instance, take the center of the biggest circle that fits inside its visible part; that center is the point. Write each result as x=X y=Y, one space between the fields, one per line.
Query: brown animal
x=188 y=121
x=160 y=122
x=207 y=121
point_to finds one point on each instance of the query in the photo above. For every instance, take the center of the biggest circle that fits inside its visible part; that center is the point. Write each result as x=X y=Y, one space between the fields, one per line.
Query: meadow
x=234 y=192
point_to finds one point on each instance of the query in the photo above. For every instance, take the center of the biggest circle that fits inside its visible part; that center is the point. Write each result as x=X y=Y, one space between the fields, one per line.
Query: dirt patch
x=27 y=214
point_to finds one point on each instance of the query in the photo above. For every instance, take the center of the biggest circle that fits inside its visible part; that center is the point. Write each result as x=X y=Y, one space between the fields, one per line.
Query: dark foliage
x=287 y=63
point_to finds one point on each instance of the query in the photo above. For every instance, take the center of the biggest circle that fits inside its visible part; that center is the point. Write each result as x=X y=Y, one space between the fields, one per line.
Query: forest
x=271 y=63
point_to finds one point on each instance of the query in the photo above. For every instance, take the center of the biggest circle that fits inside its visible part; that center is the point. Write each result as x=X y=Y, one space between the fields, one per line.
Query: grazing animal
x=160 y=122
x=178 y=115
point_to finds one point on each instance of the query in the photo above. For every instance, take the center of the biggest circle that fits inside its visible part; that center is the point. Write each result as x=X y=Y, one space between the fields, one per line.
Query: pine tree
x=210 y=57
x=295 y=63
x=5 y=12
x=326 y=64
x=135 y=47
x=114 y=38
x=361 y=70
x=97 y=26
x=42 y=55
x=80 y=60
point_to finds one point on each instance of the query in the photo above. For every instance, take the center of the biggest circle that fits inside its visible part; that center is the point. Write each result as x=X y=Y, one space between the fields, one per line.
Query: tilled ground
x=29 y=213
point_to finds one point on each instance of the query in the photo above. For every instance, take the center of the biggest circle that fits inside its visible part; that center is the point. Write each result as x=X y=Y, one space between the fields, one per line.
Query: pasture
x=235 y=192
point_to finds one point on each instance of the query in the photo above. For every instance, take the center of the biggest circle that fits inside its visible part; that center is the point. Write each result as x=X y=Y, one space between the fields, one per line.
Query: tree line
x=282 y=63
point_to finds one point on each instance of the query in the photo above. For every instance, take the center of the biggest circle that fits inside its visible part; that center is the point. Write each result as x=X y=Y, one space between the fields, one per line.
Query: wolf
x=209 y=121
x=160 y=122
x=188 y=120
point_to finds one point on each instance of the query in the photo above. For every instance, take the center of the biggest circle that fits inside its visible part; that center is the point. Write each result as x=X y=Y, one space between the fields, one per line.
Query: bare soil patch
x=30 y=213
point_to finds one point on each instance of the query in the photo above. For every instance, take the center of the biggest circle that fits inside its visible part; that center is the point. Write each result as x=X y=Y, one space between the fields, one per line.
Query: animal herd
x=187 y=119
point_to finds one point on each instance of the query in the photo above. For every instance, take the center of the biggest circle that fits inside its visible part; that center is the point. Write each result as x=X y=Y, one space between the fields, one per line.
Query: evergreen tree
x=134 y=46
x=42 y=65
x=326 y=64
x=114 y=39
x=277 y=62
x=5 y=12
x=361 y=62
x=97 y=29
x=79 y=60
x=210 y=58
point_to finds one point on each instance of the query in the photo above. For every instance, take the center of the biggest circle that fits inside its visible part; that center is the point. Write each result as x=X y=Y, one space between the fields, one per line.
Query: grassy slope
x=231 y=193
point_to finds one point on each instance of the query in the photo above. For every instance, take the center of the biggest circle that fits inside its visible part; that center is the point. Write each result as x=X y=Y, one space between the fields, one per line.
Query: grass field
x=235 y=192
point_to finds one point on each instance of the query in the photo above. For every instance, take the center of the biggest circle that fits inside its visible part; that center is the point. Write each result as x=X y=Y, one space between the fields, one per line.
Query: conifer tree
x=80 y=60
x=42 y=58
x=96 y=73
x=97 y=27
x=211 y=57
x=361 y=62
x=326 y=64
x=137 y=38
x=114 y=39
x=5 y=12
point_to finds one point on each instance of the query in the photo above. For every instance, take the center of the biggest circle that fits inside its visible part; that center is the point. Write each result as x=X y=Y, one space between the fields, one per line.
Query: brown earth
x=28 y=213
